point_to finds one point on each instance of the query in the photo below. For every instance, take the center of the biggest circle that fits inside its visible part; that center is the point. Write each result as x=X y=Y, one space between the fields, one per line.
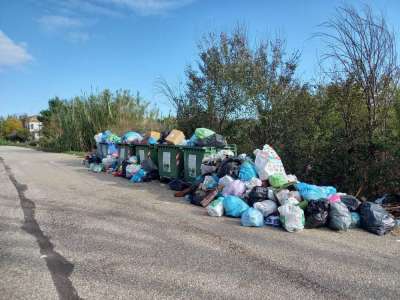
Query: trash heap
x=258 y=191
x=97 y=163
x=261 y=193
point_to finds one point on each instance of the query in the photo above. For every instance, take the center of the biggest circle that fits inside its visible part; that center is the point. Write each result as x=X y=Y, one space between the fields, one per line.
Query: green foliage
x=10 y=126
x=344 y=132
x=23 y=134
x=70 y=125
x=251 y=95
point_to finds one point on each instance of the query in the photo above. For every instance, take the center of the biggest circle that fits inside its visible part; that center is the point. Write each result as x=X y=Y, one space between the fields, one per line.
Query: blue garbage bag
x=138 y=177
x=234 y=206
x=192 y=141
x=355 y=220
x=112 y=149
x=247 y=171
x=131 y=136
x=114 y=165
x=210 y=182
x=105 y=135
x=314 y=192
x=252 y=218
x=152 y=141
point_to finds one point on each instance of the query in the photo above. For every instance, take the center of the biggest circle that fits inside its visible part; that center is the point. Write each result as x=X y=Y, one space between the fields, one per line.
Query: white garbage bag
x=216 y=208
x=268 y=162
x=98 y=137
x=292 y=217
x=225 y=181
x=108 y=161
x=290 y=201
x=267 y=207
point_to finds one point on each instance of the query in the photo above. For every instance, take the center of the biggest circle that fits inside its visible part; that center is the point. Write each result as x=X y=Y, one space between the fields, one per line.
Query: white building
x=34 y=126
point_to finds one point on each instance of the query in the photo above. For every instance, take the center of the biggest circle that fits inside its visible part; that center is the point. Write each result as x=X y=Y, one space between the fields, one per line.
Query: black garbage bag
x=317 y=212
x=152 y=175
x=351 y=202
x=257 y=194
x=388 y=199
x=148 y=165
x=94 y=159
x=229 y=166
x=178 y=185
x=163 y=136
x=375 y=219
x=339 y=216
x=124 y=164
x=197 y=197
x=214 y=140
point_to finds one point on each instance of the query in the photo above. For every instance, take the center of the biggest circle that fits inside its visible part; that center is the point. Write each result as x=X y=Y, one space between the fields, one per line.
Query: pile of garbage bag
x=261 y=193
x=257 y=190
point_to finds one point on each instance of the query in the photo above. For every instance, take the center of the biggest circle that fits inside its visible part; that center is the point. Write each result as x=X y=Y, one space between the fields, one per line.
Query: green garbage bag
x=202 y=133
x=113 y=138
x=278 y=180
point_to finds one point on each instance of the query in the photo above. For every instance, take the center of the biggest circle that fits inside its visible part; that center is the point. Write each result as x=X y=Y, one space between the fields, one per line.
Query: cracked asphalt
x=67 y=233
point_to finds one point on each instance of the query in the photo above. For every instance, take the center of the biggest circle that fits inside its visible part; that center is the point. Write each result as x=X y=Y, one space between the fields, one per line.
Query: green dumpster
x=232 y=147
x=124 y=152
x=193 y=157
x=147 y=151
x=103 y=149
x=170 y=161
x=98 y=150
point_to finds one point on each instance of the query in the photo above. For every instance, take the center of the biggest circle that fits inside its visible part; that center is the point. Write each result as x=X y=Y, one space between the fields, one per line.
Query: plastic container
x=170 y=161
x=147 y=151
x=193 y=156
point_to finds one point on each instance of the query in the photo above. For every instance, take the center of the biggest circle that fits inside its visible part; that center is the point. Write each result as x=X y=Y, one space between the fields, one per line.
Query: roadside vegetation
x=341 y=129
x=70 y=125
x=12 y=130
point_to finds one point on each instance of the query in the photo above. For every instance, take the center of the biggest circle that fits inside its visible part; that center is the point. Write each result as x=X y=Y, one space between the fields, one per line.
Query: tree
x=363 y=52
x=362 y=47
x=11 y=125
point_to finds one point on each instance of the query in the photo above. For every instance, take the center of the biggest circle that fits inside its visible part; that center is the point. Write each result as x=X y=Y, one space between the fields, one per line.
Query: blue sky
x=66 y=47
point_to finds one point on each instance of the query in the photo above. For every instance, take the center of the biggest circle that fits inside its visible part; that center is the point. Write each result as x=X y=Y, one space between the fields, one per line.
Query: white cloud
x=112 y=8
x=71 y=19
x=12 y=54
x=70 y=28
x=54 y=22
x=151 y=7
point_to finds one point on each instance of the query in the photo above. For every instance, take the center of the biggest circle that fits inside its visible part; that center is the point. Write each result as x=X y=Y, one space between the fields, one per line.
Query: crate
x=170 y=161
x=193 y=157
x=147 y=151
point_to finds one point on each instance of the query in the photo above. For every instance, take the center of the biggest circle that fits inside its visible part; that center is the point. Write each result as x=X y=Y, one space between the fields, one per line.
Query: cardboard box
x=175 y=137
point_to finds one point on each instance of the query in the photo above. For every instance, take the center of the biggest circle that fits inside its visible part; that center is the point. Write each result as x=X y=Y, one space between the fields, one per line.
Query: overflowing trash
x=258 y=191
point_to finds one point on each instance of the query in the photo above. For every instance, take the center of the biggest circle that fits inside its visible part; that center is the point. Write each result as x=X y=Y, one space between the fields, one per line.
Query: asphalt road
x=67 y=233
